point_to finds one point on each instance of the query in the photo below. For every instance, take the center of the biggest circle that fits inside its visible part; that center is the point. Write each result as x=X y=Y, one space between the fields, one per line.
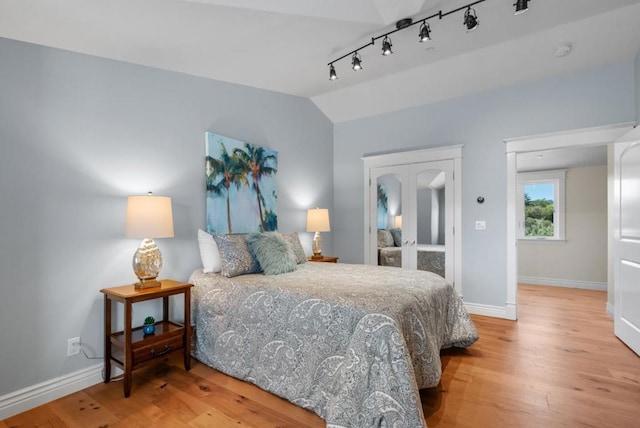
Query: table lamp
x=317 y=221
x=148 y=217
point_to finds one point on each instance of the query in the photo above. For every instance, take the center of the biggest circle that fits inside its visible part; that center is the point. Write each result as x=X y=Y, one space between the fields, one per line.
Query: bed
x=430 y=257
x=352 y=343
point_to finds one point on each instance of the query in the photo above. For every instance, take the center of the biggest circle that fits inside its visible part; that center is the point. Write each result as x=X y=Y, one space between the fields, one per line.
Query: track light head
x=386 y=46
x=332 y=73
x=471 y=19
x=521 y=6
x=425 y=32
x=356 y=62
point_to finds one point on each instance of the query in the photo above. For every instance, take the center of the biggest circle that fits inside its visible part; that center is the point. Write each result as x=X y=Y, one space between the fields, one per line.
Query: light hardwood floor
x=558 y=366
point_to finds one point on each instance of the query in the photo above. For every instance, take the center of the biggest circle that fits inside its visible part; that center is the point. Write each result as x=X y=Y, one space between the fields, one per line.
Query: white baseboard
x=507 y=312
x=36 y=395
x=610 y=310
x=554 y=282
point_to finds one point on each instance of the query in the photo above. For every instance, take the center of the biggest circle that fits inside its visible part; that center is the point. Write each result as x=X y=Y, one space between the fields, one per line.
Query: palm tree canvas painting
x=383 y=207
x=240 y=186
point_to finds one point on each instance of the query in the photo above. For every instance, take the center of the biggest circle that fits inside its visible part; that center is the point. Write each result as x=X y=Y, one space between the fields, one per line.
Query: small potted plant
x=149 y=326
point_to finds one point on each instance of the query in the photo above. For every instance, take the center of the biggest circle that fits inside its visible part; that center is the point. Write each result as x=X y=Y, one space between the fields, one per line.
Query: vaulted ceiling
x=285 y=45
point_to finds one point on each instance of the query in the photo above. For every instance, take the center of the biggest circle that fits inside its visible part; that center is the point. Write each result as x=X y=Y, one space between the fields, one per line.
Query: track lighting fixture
x=470 y=22
x=356 y=62
x=332 y=73
x=386 y=46
x=425 y=32
x=521 y=6
x=471 y=19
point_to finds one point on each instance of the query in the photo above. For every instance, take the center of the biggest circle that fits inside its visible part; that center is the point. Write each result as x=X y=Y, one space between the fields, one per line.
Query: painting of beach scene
x=241 y=192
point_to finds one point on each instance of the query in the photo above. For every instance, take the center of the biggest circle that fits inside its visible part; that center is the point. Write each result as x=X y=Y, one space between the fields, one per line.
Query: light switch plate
x=481 y=225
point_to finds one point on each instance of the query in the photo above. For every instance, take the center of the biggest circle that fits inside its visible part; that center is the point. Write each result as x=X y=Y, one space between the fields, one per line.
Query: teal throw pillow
x=396 y=232
x=273 y=253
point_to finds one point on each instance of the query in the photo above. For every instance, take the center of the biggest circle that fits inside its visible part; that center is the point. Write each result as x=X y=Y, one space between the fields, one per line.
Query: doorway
x=562 y=217
x=588 y=137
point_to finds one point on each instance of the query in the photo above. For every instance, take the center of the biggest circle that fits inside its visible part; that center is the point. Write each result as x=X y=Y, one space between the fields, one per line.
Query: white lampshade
x=318 y=220
x=149 y=216
x=397 y=221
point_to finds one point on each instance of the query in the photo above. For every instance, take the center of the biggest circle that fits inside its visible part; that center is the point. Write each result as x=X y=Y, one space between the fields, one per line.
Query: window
x=541 y=205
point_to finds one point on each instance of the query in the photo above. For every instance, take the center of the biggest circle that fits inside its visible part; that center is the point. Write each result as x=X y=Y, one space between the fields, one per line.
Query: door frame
x=584 y=137
x=454 y=153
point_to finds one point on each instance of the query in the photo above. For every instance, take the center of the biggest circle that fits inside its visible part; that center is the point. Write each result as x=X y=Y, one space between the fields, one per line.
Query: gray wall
x=583 y=257
x=637 y=87
x=77 y=135
x=590 y=98
x=430 y=205
x=425 y=215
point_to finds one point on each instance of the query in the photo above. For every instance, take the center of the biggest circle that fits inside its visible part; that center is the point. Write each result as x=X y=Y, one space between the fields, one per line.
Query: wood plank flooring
x=558 y=366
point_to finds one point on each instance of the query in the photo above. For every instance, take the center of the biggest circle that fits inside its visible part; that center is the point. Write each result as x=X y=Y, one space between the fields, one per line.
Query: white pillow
x=209 y=252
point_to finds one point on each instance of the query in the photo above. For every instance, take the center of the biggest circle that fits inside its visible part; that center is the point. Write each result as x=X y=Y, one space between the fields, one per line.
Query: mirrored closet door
x=410 y=212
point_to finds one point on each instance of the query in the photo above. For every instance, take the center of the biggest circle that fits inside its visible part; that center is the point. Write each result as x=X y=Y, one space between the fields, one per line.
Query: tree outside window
x=539 y=209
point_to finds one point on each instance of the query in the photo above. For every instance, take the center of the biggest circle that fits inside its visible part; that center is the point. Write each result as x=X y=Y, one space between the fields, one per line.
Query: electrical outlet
x=73 y=346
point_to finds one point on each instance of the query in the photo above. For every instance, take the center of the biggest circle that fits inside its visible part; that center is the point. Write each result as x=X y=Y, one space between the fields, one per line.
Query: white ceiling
x=285 y=45
x=571 y=157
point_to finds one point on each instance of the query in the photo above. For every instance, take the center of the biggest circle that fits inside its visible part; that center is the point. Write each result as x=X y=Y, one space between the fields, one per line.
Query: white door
x=401 y=177
x=431 y=220
x=422 y=195
x=627 y=240
x=388 y=192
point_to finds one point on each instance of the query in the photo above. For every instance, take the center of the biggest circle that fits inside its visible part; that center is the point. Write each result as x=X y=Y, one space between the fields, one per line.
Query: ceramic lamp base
x=316 y=246
x=147 y=262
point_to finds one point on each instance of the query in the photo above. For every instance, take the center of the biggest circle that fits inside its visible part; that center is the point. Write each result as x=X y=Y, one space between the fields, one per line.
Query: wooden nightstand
x=326 y=259
x=130 y=349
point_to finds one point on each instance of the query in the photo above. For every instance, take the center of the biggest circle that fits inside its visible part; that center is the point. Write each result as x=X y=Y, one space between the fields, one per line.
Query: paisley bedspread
x=430 y=257
x=352 y=343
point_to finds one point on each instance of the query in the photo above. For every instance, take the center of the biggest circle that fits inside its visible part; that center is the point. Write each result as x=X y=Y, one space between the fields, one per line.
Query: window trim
x=558 y=178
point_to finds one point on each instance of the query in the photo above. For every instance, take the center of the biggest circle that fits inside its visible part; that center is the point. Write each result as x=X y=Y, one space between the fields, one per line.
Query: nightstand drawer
x=168 y=334
x=158 y=349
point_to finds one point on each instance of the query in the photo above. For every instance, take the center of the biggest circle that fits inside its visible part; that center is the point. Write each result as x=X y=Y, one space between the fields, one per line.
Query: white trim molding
x=413 y=156
x=578 y=137
x=610 y=310
x=569 y=283
x=506 y=312
x=44 y=392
